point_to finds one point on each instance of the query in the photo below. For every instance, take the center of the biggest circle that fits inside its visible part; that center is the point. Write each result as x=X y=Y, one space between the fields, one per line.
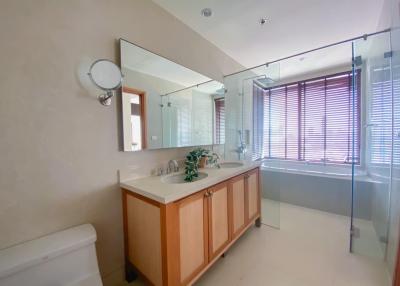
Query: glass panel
x=393 y=238
x=371 y=195
x=250 y=126
x=308 y=142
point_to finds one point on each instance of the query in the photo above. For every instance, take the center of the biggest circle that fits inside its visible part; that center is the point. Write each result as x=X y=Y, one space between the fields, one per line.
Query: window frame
x=354 y=80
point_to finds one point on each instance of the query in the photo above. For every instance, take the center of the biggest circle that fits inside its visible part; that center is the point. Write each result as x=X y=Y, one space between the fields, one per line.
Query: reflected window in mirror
x=133 y=104
x=219 y=107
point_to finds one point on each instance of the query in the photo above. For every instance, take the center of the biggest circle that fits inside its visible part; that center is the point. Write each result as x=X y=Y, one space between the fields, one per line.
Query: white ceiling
x=334 y=59
x=293 y=26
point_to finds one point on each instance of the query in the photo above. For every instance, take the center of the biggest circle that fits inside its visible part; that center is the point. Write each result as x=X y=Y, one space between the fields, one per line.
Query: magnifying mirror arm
x=105 y=99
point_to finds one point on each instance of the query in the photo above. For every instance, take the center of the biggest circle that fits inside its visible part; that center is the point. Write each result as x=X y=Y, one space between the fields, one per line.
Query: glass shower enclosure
x=326 y=124
x=245 y=135
x=370 y=224
x=379 y=58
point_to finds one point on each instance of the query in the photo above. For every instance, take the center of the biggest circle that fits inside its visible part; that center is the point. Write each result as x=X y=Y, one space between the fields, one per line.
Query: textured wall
x=59 y=148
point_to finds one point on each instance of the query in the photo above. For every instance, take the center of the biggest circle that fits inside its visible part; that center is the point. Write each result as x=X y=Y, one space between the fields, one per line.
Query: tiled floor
x=367 y=242
x=310 y=248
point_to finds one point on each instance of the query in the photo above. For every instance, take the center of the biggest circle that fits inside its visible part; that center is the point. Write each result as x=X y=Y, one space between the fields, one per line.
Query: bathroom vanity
x=174 y=231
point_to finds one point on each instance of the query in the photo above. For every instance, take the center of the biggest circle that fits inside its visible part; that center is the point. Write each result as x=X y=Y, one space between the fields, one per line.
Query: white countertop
x=154 y=188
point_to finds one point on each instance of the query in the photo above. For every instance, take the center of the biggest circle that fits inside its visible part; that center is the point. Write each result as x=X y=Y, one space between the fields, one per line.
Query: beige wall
x=59 y=148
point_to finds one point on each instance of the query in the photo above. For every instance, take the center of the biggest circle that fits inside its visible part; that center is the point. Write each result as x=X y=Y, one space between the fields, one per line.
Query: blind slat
x=219 y=120
x=309 y=120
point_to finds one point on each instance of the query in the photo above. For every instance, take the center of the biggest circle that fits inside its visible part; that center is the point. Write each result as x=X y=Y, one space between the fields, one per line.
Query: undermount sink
x=180 y=178
x=231 y=164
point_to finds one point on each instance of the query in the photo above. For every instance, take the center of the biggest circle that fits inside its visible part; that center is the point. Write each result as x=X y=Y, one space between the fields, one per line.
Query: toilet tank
x=65 y=258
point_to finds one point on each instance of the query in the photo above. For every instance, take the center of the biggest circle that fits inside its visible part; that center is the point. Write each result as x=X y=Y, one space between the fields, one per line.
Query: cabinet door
x=193 y=235
x=253 y=195
x=237 y=202
x=218 y=219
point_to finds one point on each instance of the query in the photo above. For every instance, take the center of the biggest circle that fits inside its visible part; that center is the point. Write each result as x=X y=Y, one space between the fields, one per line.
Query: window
x=382 y=102
x=219 y=120
x=310 y=120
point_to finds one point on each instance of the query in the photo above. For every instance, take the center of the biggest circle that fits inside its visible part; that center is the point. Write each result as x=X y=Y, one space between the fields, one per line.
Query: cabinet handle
x=208 y=194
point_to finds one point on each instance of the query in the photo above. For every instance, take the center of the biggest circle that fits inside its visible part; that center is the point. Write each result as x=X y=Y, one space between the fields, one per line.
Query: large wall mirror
x=166 y=105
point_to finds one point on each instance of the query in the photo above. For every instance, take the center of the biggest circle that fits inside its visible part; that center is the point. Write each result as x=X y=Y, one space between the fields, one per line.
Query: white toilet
x=65 y=258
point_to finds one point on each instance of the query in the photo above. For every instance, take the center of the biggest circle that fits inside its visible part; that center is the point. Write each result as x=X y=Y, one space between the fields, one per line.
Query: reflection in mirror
x=194 y=116
x=166 y=105
x=133 y=105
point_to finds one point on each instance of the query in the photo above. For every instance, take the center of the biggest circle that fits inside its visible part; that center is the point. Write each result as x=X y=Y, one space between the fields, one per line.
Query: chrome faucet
x=173 y=166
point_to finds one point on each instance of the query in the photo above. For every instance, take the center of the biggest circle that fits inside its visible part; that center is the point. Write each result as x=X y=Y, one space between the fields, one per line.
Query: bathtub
x=319 y=186
x=314 y=169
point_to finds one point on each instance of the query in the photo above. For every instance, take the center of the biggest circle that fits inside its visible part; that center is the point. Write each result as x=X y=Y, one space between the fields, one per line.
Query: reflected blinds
x=219 y=120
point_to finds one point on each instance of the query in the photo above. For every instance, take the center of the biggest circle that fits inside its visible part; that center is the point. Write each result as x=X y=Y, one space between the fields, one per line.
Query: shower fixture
x=250 y=78
x=221 y=90
x=261 y=80
x=242 y=148
x=264 y=82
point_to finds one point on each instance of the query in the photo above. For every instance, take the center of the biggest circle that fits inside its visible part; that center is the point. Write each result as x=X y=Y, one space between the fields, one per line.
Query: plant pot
x=203 y=162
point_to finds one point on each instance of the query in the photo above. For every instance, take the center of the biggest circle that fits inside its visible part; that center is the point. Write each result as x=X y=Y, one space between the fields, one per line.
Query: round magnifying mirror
x=105 y=75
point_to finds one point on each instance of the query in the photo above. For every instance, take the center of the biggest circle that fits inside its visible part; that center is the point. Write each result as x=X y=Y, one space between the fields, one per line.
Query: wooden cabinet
x=143 y=229
x=203 y=229
x=173 y=244
x=253 y=201
x=193 y=235
x=237 y=201
x=218 y=212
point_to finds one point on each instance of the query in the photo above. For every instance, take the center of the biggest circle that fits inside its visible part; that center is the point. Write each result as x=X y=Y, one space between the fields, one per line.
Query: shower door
x=255 y=130
x=372 y=145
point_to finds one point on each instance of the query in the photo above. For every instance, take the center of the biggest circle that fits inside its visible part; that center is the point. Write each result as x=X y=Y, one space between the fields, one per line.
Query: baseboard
x=115 y=278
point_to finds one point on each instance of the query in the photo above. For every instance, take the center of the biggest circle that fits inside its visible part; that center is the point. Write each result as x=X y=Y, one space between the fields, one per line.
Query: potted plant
x=196 y=159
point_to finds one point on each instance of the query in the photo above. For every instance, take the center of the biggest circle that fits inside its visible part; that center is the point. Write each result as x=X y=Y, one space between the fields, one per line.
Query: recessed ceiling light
x=263 y=21
x=206 y=12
